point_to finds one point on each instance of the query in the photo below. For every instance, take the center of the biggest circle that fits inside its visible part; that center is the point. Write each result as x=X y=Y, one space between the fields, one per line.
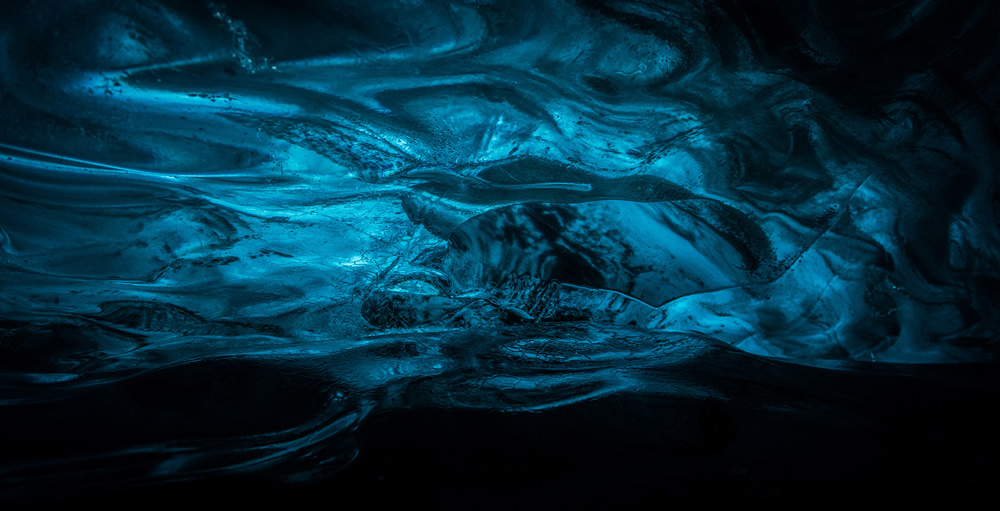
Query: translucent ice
x=500 y=205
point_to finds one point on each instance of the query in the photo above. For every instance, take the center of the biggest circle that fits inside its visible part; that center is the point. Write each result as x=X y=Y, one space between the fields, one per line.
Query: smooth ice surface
x=499 y=205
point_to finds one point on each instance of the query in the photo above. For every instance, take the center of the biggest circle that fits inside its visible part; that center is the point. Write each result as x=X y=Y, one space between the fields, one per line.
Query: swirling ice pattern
x=506 y=205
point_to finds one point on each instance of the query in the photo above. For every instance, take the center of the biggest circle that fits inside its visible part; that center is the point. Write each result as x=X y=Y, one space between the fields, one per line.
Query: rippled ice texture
x=516 y=205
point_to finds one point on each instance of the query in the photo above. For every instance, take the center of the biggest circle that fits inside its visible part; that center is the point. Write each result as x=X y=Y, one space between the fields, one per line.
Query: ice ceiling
x=515 y=204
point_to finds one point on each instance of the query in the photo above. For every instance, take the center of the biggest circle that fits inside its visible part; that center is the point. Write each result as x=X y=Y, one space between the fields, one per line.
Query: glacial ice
x=504 y=205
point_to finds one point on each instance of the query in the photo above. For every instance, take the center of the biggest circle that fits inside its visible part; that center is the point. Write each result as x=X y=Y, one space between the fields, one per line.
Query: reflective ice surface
x=207 y=208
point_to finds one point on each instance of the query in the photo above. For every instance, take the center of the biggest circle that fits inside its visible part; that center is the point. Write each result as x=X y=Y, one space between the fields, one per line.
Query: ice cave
x=510 y=254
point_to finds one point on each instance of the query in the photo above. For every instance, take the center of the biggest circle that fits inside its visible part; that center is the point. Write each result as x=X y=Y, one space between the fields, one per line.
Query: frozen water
x=469 y=205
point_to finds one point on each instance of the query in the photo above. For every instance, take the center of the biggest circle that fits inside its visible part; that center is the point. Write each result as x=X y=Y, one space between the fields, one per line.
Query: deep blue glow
x=231 y=232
